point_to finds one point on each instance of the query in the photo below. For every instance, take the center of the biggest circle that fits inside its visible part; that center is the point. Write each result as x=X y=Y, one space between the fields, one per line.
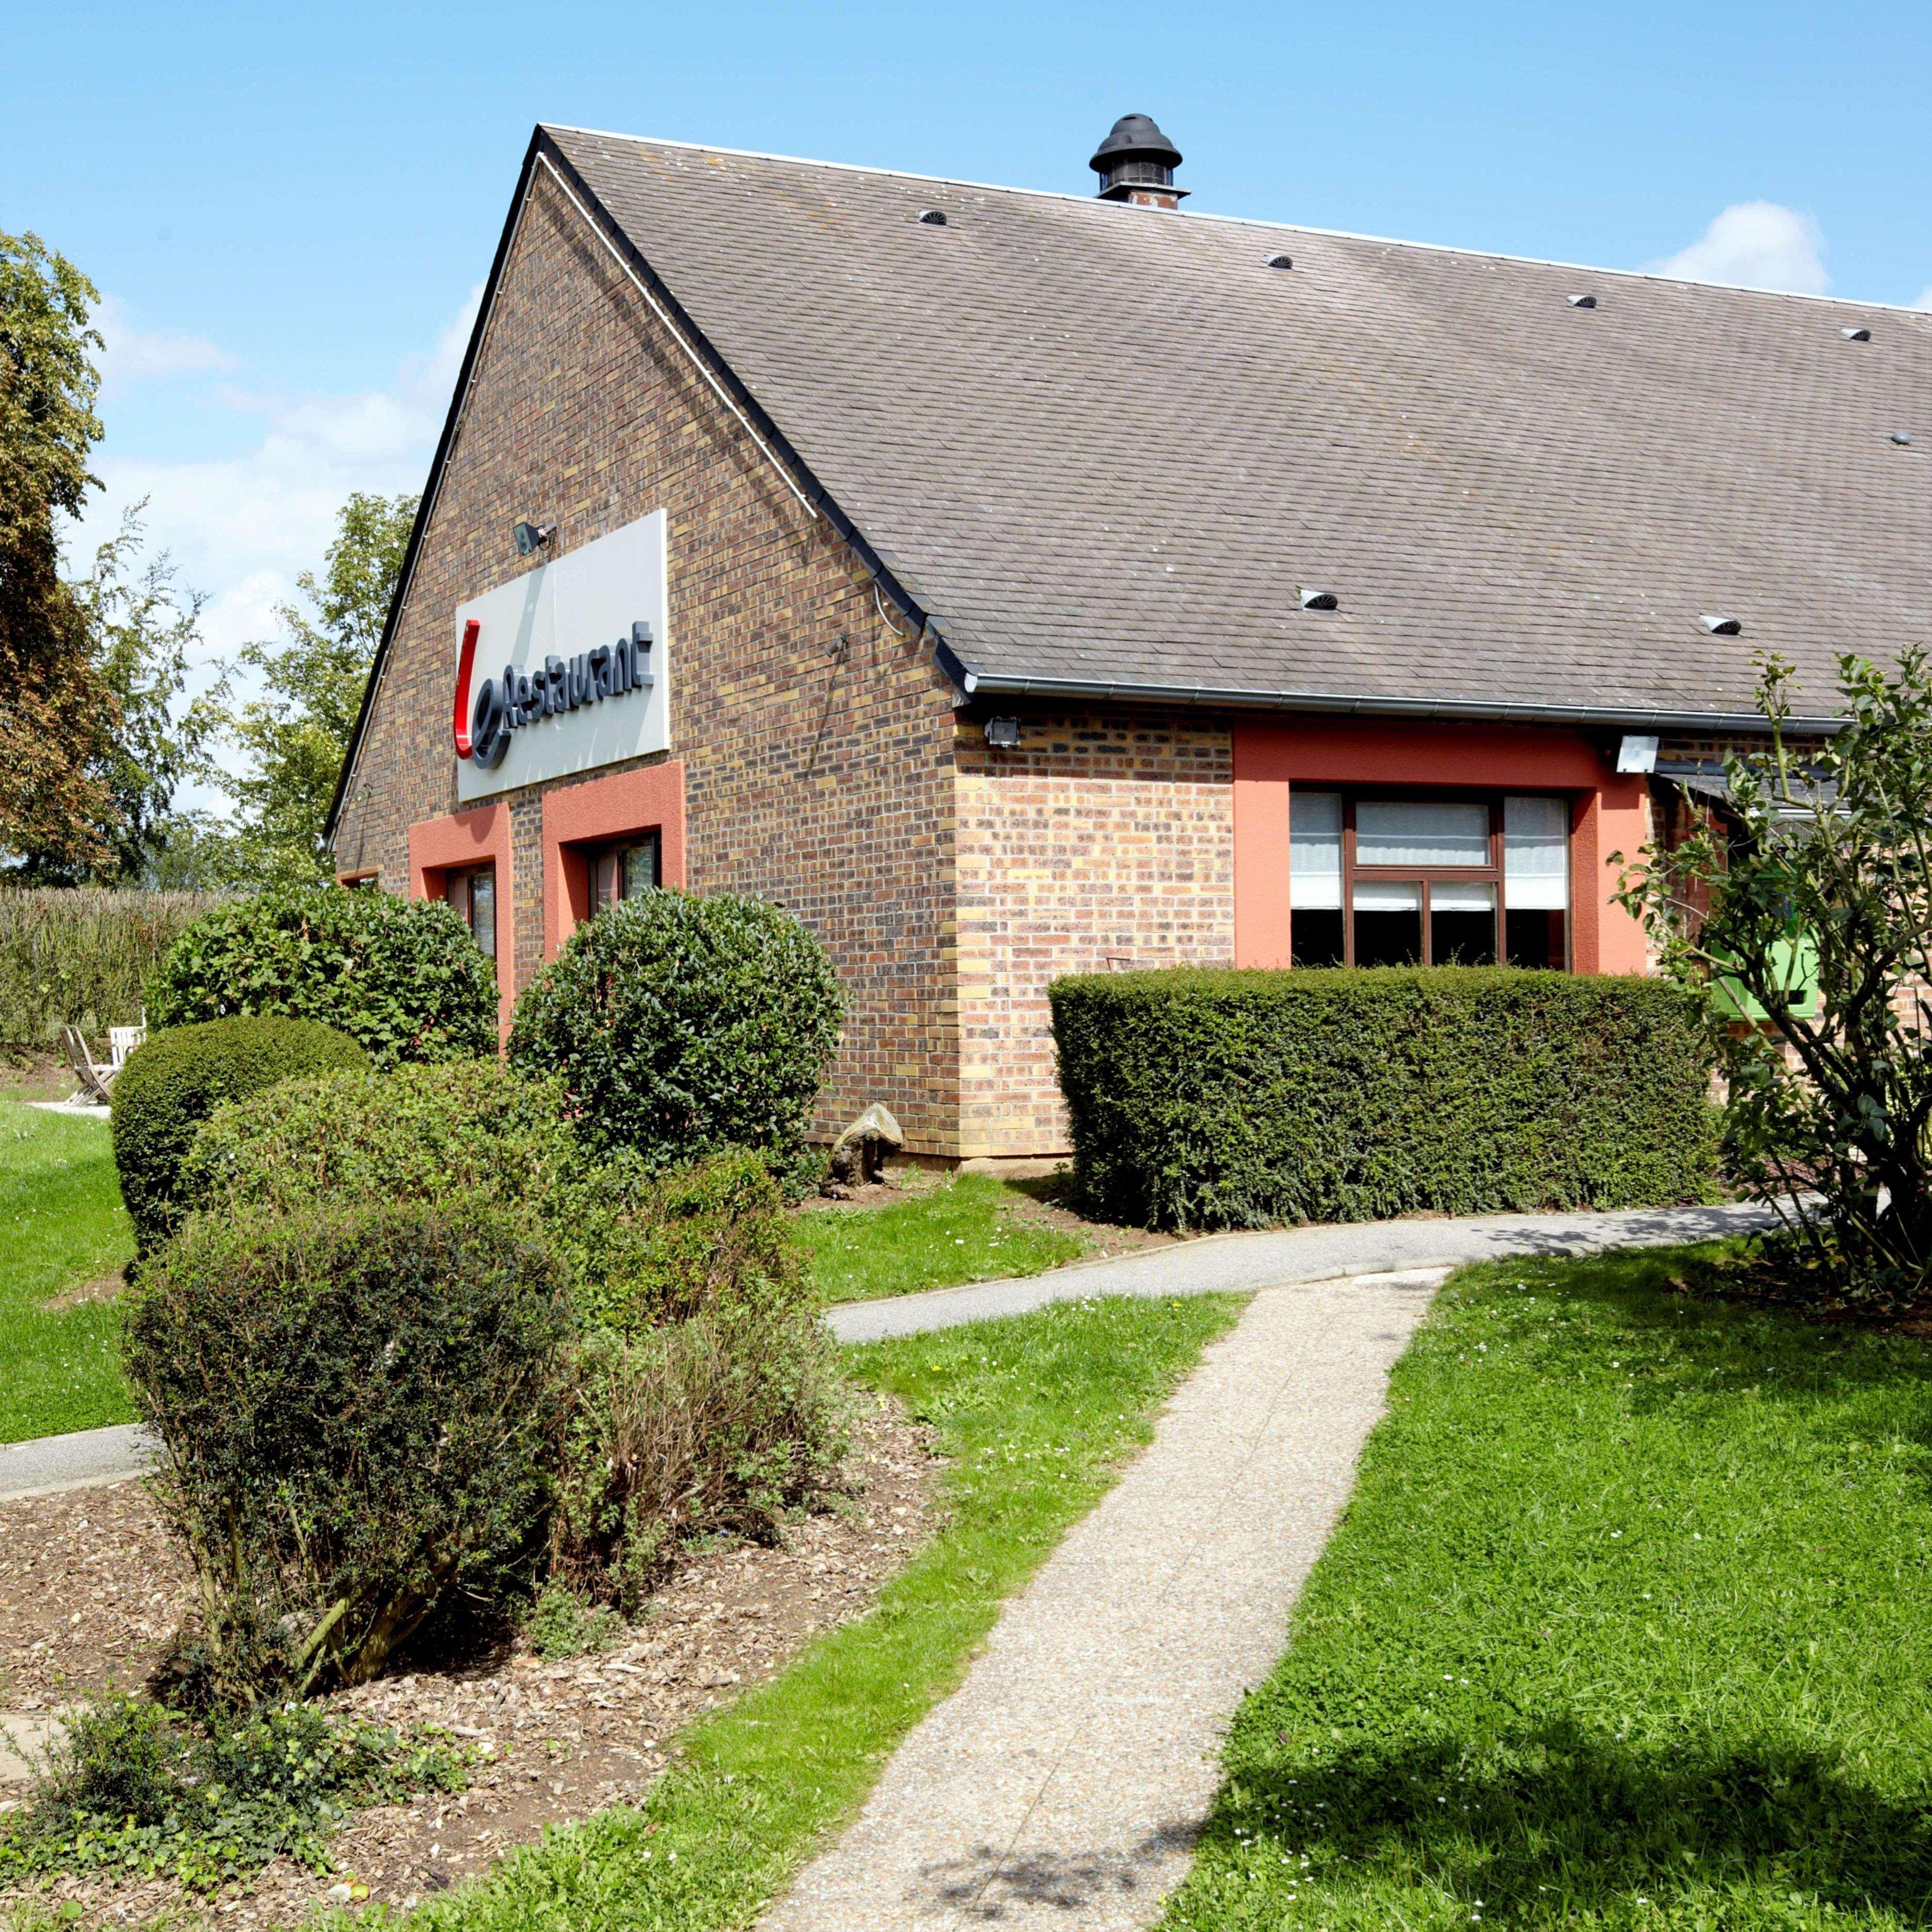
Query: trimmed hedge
x=401 y=976
x=414 y=1133
x=172 y=1084
x=361 y=1409
x=702 y=1393
x=641 y=1245
x=1243 y=1099
x=683 y=1026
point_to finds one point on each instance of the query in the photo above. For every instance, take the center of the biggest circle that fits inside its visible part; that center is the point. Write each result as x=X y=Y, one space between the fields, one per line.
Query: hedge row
x=1241 y=1100
x=80 y=956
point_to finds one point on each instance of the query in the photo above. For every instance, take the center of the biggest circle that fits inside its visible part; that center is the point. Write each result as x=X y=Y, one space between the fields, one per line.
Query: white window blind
x=1479 y=896
x=1536 y=854
x=1421 y=831
x=1388 y=896
x=1315 y=851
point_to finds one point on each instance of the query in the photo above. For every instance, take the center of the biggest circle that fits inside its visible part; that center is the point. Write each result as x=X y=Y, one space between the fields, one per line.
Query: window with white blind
x=1414 y=880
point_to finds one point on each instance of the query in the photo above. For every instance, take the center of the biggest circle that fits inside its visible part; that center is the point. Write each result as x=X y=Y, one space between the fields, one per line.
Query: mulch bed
x=91 y=1592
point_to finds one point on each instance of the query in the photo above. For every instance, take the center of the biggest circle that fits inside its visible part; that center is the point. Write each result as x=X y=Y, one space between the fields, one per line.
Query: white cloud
x=241 y=529
x=1925 y=300
x=1755 y=244
x=131 y=354
x=234 y=524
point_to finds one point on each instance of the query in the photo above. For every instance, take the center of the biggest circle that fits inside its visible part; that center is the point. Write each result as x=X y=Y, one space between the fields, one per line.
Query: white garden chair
x=95 y=1078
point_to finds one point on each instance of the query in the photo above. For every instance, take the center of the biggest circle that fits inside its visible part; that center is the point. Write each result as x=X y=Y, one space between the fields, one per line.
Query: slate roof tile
x=1110 y=443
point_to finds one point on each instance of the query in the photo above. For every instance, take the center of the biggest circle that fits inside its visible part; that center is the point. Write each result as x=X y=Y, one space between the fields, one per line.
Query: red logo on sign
x=466 y=664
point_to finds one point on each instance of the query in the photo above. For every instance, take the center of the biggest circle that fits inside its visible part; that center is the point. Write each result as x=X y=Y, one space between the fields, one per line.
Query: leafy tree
x=296 y=735
x=58 y=713
x=1824 y=878
x=143 y=624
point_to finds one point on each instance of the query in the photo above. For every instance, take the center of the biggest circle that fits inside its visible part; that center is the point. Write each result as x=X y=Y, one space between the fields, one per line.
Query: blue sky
x=288 y=209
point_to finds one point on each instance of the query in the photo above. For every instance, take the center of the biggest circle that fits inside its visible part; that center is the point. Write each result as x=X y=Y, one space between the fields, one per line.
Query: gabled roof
x=1105 y=446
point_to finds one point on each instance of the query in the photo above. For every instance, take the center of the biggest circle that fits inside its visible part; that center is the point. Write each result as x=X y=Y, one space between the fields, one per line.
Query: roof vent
x=933 y=217
x=1281 y=261
x=1581 y=301
x=1136 y=162
x=1319 y=600
x=1855 y=335
x=1720 y=627
x=1902 y=437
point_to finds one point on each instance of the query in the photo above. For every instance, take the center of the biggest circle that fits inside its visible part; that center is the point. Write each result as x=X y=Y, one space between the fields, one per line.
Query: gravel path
x=1063 y=1783
x=1240 y=1263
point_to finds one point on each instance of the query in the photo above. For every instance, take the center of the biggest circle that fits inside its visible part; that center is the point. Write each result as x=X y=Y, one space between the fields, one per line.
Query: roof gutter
x=975 y=684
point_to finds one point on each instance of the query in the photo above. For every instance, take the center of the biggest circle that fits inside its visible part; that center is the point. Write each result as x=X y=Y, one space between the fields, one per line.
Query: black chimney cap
x=1134 y=138
x=1136 y=162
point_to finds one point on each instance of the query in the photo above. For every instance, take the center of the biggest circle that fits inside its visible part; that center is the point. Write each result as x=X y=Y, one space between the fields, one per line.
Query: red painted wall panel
x=1607 y=814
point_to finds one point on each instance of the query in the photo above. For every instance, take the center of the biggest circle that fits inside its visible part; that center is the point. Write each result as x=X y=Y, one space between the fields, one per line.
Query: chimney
x=1136 y=162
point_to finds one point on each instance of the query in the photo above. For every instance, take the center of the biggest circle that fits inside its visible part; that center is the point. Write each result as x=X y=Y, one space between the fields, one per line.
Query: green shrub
x=1807 y=905
x=638 y=1247
x=132 y=1790
x=1206 y=1099
x=665 y=1247
x=702 y=1391
x=172 y=1084
x=718 y=1423
x=76 y=955
x=562 y=1625
x=681 y=1026
x=401 y=976
x=357 y=1406
x=706 y=1395
x=414 y=1133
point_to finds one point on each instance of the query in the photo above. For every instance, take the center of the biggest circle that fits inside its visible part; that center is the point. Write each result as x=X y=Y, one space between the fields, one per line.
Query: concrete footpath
x=1064 y=1783
x=1218 y=1264
x=1239 y=1263
x=75 y=1461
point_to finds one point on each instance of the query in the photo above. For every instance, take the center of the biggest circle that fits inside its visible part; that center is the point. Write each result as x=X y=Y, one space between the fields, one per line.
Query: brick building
x=1012 y=584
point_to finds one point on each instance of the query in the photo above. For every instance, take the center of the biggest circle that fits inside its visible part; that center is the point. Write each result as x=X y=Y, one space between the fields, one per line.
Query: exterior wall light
x=1637 y=753
x=1003 y=733
x=532 y=538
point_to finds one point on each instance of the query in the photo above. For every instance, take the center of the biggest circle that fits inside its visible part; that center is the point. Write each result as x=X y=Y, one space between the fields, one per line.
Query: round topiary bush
x=682 y=1026
x=401 y=976
x=172 y=1084
x=360 y=1408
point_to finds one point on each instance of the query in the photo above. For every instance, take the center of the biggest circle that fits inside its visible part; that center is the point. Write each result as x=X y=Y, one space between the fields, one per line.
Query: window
x=1536 y=881
x=622 y=872
x=473 y=893
x=1428 y=881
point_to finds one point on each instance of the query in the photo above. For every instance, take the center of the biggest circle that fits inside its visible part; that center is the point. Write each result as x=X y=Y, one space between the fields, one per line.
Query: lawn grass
x=1629 y=1624
x=964 y=1230
x=1035 y=1413
x=62 y=1225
